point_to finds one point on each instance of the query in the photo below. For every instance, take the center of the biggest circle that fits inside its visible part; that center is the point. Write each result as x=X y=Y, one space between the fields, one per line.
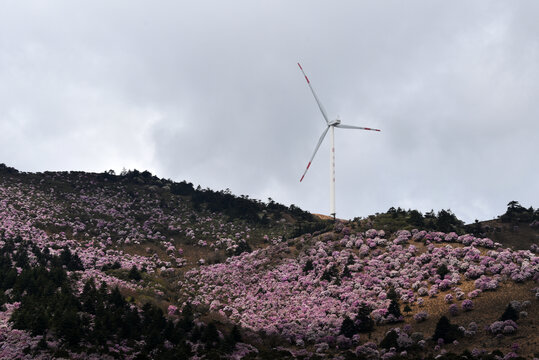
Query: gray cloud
x=210 y=92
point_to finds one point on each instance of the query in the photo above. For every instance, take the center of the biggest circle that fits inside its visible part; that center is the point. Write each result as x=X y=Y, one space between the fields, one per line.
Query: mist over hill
x=131 y=266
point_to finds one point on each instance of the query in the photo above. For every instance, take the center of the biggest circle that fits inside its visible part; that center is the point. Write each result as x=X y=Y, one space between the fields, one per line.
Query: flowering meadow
x=132 y=267
x=270 y=292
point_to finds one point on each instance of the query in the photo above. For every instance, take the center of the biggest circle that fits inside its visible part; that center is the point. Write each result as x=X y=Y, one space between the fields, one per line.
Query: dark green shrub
x=210 y=336
x=348 y=328
x=134 y=274
x=308 y=266
x=346 y=272
x=363 y=321
x=390 y=340
x=510 y=313
x=446 y=331
x=330 y=273
x=442 y=270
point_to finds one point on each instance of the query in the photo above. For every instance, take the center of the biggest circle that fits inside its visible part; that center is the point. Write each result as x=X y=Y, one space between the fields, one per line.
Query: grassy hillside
x=133 y=266
x=517 y=228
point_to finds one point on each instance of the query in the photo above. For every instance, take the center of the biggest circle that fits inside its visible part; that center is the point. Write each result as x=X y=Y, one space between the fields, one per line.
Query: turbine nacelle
x=337 y=121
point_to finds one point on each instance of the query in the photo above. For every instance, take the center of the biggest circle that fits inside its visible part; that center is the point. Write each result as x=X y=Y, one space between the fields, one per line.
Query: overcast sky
x=210 y=92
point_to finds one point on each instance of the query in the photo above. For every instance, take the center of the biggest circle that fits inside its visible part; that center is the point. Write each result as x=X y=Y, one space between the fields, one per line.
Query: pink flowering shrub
x=485 y=283
x=471 y=330
x=172 y=309
x=421 y=316
x=467 y=305
x=502 y=327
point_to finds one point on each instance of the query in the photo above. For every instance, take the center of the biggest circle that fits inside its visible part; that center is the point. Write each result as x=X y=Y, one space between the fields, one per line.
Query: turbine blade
x=355 y=127
x=314 y=153
x=315 y=97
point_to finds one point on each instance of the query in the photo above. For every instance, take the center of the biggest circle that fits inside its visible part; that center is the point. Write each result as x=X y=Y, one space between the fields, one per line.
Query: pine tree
x=363 y=320
x=445 y=330
x=235 y=334
x=348 y=328
x=416 y=218
x=394 y=309
x=330 y=273
x=308 y=266
x=210 y=336
x=510 y=313
x=392 y=294
x=394 y=306
x=346 y=272
x=88 y=297
x=186 y=323
x=390 y=340
x=442 y=270
x=68 y=326
x=407 y=308
x=134 y=274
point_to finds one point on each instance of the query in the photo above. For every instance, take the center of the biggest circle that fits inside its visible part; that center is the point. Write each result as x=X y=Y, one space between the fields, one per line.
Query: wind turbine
x=331 y=125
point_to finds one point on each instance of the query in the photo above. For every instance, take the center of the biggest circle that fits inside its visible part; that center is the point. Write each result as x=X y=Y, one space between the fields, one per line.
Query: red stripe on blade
x=309 y=164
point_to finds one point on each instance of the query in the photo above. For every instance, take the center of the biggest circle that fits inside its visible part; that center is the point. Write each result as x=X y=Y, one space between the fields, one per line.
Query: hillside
x=132 y=266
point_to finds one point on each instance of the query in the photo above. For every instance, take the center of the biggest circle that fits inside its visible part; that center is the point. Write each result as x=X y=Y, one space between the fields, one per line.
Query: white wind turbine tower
x=331 y=125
